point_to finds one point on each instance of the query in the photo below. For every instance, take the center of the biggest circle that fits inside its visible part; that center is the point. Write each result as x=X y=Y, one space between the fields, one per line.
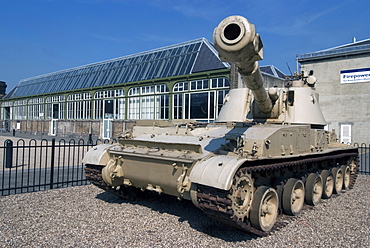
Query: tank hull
x=220 y=167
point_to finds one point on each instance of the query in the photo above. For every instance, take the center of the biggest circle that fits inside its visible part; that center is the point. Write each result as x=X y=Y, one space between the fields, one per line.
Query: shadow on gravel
x=186 y=212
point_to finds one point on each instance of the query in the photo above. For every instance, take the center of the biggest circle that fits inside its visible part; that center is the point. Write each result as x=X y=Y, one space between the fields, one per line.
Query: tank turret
x=238 y=43
x=267 y=155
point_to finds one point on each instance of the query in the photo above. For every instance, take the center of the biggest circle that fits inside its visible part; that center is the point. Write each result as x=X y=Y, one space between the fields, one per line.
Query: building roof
x=180 y=59
x=354 y=48
x=272 y=70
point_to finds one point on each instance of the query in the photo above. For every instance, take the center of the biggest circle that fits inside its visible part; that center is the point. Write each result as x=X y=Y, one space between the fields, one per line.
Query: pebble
x=86 y=216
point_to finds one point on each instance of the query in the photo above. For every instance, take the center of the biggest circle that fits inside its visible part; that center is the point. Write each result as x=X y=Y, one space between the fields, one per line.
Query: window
x=120 y=108
x=36 y=109
x=220 y=99
x=6 y=110
x=98 y=109
x=200 y=106
x=147 y=107
x=134 y=108
x=177 y=106
x=20 y=110
x=149 y=102
x=199 y=85
x=162 y=107
x=346 y=133
x=79 y=106
x=134 y=91
x=162 y=88
x=220 y=83
x=199 y=99
x=181 y=86
x=147 y=90
x=55 y=107
x=109 y=104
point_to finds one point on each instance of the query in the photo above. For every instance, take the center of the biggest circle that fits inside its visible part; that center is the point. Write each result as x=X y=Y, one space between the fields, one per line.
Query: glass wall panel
x=109 y=104
x=36 y=109
x=177 y=106
x=98 y=109
x=120 y=108
x=148 y=102
x=79 y=106
x=147 y=107
x=20 y=110
x=134 y=108
x=195 y=100
x=55 y=107
x=162 y=107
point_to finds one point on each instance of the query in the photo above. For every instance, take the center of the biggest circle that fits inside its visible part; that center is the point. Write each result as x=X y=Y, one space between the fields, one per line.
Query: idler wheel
x=346 y=176
x=264 y=209
x=313 y=188
x=328 y=184
x=338 y=179
x=293 y=196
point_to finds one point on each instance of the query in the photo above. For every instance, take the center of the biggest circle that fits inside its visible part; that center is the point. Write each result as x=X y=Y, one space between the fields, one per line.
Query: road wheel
x=328 y=184
x=346 y=176
x=338 y=180
x=313 y=188
x=264 y=209
x=293 y=196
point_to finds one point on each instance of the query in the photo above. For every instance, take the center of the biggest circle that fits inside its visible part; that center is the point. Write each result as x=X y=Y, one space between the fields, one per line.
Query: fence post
x=52 y=163
x=90 y=141
x=8 y=153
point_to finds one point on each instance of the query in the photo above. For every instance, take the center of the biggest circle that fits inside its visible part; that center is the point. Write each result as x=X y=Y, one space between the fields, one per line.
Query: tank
x=266 y=157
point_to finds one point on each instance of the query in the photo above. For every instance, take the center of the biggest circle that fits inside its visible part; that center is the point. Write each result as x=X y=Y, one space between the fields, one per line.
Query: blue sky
x=42 y=36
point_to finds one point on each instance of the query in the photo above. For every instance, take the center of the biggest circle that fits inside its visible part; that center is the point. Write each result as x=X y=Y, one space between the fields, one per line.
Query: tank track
x=93 y=174
x=217 y=204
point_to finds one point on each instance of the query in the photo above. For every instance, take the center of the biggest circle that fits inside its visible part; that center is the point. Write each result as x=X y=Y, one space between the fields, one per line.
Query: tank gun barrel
x=238 y=43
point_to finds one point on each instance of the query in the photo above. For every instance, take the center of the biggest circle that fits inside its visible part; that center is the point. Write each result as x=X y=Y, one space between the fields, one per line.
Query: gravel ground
x=86 y=216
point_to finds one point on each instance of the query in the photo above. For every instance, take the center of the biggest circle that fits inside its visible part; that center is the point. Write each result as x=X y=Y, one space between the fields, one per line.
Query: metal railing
x=364 y=156
x=35 y=165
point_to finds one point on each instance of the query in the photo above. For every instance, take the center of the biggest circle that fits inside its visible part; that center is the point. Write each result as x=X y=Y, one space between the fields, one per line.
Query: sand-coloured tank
x=266 y=156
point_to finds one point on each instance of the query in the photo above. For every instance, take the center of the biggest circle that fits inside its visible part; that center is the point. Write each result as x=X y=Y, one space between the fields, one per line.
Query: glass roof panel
x=179 y=59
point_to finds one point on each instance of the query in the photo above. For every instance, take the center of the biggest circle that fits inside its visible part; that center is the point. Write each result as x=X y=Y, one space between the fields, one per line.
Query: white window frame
x=79 y=106
x=346 y=133
x=146 y=102
x=184 y=90
x=119 y=103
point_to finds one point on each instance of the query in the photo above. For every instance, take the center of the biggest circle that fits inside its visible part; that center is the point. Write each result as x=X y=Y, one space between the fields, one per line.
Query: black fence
x=35 y=165
x=364 y=156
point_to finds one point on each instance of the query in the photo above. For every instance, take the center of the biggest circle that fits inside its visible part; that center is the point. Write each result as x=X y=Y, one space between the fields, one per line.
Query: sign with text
x=355 y=76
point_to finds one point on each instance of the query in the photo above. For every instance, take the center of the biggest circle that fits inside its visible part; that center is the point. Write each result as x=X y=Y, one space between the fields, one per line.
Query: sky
x=43 y=36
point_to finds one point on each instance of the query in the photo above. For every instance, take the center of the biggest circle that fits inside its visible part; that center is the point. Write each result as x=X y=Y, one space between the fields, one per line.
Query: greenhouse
x=182 y=81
